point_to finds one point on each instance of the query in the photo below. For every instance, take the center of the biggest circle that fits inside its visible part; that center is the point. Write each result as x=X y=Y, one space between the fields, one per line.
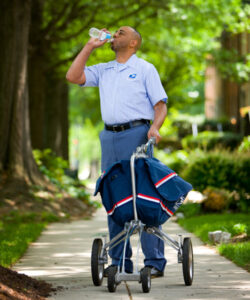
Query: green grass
x=239 y=253
x=17 y=232
x=200 y=225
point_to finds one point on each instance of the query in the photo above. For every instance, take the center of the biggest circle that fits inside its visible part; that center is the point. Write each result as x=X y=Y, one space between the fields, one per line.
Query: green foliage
x=239 y=228
x=175 y=39
x=176 y=160
x=208 y=140
x=239 y=253
x=53 y=168
x=50 y=165
x=84 y=141
x=219 y=169
x=245 y=144
x=233 y=66
x=190 y=209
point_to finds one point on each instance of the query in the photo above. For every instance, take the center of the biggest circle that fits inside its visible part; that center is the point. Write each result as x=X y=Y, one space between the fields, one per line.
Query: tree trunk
x=15 y=152
x=48 y=92
x=37 y=78
x=57 y=116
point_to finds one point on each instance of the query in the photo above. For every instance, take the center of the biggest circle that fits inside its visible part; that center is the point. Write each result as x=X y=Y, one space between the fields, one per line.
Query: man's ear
x=133 y=43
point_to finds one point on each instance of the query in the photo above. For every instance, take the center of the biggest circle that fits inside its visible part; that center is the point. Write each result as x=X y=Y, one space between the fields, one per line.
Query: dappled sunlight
x=83 y=254
x=63 y=258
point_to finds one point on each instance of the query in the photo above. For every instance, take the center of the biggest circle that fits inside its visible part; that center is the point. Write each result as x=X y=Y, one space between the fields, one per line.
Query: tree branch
x=55 y=20
x=75 y=34
x=129 y=14
x=62 y=61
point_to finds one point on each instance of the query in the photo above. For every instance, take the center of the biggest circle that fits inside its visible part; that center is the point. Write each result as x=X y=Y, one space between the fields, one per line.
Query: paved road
x=61 y=256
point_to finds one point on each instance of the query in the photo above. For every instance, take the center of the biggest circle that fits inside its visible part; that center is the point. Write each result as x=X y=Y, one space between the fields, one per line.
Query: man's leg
x=153 y=249
x=108 y=158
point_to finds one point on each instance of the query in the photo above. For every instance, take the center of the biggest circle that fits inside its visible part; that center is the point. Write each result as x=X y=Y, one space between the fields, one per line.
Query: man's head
x=126 y=38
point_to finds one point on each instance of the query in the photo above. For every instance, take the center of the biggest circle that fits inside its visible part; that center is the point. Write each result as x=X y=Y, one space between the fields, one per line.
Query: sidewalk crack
x=128 y=290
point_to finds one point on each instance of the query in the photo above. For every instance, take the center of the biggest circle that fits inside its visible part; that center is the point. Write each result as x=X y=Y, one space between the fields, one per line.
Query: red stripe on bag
x=153 y=199
x=119 y=203
x=165 y=179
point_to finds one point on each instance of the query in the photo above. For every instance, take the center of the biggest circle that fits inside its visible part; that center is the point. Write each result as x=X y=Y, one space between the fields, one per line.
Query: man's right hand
x=96 y=43
x=76 y=73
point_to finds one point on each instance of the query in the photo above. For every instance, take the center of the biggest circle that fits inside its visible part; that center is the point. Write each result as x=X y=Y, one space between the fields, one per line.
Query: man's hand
x=153 y=132
x=96 y=43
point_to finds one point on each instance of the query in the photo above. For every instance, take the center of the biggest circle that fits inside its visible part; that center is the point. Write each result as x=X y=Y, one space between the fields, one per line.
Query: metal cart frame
x=100 y=247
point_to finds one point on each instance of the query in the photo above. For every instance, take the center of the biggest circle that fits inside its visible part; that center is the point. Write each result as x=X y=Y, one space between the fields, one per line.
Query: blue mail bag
x=159 y=191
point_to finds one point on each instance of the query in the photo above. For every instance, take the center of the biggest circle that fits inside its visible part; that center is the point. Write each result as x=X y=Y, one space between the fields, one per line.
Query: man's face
x=122 y=38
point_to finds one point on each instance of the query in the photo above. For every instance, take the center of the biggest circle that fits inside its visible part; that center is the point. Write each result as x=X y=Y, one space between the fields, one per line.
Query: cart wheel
x=146 y=279
x=187 y=262
x=96 y=268
x=111 y=279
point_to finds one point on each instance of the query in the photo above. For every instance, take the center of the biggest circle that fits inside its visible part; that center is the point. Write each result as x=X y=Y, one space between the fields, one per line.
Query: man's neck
x=122 y=58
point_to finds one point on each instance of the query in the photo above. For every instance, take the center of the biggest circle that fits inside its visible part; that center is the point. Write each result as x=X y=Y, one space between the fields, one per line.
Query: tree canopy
x=177 y=38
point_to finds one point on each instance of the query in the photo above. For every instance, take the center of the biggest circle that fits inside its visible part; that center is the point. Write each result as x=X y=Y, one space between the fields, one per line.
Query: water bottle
x=99 y=34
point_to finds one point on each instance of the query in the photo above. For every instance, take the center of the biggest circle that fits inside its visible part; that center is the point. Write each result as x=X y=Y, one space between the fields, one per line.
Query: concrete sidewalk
x=61 y=256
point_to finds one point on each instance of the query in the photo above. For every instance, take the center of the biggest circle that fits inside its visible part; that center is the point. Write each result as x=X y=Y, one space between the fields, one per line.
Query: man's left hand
x=153 y=132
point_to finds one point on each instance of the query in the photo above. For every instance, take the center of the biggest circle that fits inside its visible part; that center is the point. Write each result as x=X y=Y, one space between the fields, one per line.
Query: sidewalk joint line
x=128 y=290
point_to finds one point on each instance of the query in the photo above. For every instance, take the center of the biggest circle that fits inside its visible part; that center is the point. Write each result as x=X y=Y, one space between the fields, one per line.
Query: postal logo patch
x=132 y=76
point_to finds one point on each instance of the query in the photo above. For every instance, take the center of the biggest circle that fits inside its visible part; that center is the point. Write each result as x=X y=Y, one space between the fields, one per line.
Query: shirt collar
x=131 y=62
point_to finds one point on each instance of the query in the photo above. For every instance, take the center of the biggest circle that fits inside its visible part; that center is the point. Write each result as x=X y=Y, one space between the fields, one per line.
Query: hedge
x=208 y=140
x=226 y=170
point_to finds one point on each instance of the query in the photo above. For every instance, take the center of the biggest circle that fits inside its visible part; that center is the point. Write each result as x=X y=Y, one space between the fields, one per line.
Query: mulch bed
x=17 y=286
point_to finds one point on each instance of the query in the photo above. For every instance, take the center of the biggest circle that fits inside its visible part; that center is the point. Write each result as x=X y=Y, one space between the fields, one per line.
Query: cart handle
x=151 y=141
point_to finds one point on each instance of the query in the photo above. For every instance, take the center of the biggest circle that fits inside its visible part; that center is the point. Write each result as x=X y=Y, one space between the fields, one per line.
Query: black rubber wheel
x=111 y=279
x=188 y=262
x=97 y=269
x=146 y=279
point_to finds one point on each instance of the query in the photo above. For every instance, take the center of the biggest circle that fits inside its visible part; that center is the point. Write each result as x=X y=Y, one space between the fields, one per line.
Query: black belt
x=125 y=126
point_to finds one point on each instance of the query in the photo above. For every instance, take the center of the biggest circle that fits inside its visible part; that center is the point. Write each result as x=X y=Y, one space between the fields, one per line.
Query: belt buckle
x=115 y=128
x=122 y=127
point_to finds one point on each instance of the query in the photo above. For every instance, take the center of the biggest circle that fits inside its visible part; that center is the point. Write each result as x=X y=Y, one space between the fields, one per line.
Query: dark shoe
x=106 y=270
x=155 y=272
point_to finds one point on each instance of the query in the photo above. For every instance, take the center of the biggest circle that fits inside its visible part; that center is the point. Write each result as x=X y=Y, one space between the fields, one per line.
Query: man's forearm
x=160 y=114
x=160 y=110
x=75 y=73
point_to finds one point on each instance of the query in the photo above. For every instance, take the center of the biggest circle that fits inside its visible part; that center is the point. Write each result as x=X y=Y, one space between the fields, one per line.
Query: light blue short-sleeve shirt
x=127 y=91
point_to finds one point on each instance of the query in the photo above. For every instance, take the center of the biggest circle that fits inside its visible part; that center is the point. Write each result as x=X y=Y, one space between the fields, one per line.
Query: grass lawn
x=236 y=224
x=17 y=232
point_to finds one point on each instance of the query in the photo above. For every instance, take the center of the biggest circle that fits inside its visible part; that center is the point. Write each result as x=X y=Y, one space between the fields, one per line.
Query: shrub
x=53 y=167
x=215 y=125
x=221 y=170
x=190 y=209
x=50 y=165
x=217 y=199
x=176 y=160
x=208 y=140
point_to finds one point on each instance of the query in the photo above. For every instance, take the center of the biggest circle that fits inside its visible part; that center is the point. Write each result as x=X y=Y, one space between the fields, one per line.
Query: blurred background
x=200 y=48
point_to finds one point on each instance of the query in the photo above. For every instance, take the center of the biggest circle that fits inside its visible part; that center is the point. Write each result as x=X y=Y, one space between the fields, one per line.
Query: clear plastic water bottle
x=99 y=34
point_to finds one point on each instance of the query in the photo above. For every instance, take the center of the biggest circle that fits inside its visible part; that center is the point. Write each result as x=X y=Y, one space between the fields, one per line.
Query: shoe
x=106 y=270
x=154 y=272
